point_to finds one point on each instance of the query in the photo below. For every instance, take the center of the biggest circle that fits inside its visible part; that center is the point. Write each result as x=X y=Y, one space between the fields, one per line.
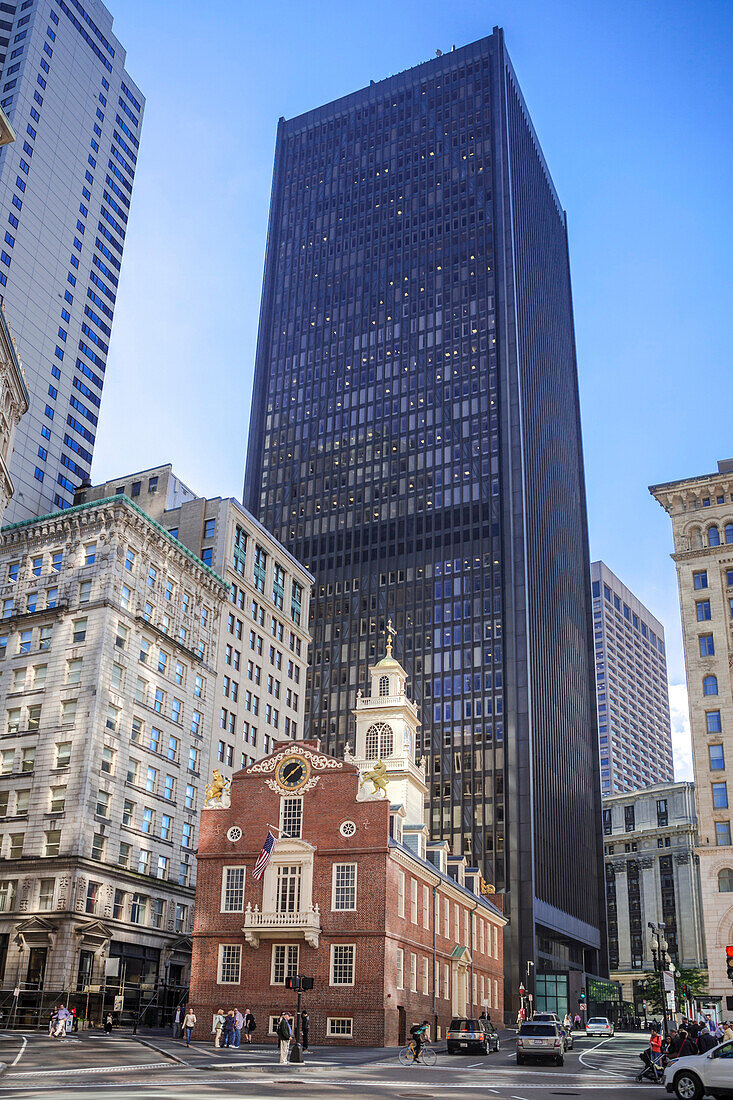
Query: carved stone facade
x=652 y=874
x=262 y=655
x=108 y=691
x=701 y=511
x=13 y=402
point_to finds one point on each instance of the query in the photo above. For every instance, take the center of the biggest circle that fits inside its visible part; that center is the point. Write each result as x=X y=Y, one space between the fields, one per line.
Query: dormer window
x=384 y=685
x=379 y=741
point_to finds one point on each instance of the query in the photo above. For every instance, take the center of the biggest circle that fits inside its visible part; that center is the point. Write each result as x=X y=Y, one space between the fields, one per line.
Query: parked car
x=540 y=1040
x=478 y=1036
x=709 y=1074
x=545 y=1018
x=599 y=1025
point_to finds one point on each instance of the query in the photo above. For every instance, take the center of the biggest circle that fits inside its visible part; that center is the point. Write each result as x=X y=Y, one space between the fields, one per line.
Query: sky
x=632 y=104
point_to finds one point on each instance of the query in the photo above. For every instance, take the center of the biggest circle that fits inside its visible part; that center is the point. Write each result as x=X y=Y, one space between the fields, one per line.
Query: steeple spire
x=390 y=632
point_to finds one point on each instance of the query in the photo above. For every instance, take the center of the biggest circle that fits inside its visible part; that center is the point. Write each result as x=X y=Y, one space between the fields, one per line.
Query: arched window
x=729 y=532
x=384 y=685
x=379 y=741
x=713 y=536
x=710 y=685
x=725 y=881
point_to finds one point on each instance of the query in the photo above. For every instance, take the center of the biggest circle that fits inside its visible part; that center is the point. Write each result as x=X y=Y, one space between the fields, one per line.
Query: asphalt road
x=99 y=1067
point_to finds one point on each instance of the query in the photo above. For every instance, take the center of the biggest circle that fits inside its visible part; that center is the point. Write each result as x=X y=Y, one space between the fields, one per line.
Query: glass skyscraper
x=415 y=438
x=65 y=191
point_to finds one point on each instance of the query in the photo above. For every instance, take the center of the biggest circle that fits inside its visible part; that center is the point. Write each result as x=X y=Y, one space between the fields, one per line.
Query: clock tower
x=387 y=722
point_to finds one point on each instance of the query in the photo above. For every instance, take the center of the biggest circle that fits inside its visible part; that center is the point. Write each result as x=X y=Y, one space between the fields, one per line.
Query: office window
x=722 y=832
x=102 y=803
x=712 y=721
x=717 y=758
x=63 y=754
x=720 y=796
x=46 y=887
x=707 y=645
x=710 y=685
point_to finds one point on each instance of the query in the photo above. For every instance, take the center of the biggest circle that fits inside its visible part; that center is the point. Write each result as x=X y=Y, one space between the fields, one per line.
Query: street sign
x=670 y=1002
x=668 y=979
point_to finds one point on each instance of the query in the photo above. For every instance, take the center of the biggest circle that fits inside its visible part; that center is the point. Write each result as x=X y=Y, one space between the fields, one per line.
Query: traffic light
x=581 y=996
x=729 y=961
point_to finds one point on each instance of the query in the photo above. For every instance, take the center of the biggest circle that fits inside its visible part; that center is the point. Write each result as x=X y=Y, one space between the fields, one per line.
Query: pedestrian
x=238 y=1021
x=568 y=1021
x=189 y=1023
x=217 y=1025
x=246 y=1036
x=227 y=1031
x=305 y=1027
x=62 y=1016
x=705 y=1041
x=53 y=1020
x=284 y=1034
x=250 y=1026
x=727 y=1032
x=108 y=1024
x=177 y=1023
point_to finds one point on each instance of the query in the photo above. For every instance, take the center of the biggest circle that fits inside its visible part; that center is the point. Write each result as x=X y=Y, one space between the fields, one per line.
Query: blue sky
x=632 y=104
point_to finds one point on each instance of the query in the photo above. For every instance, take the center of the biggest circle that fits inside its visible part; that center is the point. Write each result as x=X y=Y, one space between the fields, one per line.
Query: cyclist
x=418 y=1033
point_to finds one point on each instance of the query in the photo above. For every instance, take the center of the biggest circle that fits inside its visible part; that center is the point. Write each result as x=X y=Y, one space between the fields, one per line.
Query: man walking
x=61 y=1018
x=305 y=1027
x=284 y=1034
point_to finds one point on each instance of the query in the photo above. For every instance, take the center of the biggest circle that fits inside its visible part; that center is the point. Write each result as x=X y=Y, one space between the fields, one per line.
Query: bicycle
x=427 y=1057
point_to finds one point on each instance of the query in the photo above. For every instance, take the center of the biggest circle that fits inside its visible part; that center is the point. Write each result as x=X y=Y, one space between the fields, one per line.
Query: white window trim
x=331 y=982
x=401 y=894
x=413 y=972
x=232 y=867
x=272 y=961
x=400 y=968
x=220 y=958
x=351 y=908
x=330 y=1020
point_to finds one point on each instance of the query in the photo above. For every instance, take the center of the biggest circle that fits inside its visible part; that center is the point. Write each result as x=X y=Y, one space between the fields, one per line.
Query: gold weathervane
x=391 y=633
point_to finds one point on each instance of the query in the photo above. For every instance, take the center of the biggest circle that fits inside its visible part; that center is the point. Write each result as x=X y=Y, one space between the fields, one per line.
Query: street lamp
x=662 y=962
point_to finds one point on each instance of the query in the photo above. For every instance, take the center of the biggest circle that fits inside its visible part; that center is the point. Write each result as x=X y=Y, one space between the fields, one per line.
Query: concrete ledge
x=3 y=1068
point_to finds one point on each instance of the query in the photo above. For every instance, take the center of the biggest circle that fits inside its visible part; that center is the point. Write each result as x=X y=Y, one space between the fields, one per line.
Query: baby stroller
x=652 y=1070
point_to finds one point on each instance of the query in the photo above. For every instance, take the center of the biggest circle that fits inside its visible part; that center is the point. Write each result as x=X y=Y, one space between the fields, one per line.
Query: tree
x=650 y=989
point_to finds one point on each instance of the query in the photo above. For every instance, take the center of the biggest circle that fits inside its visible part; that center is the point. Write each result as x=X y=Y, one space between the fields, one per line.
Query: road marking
x=607 y=1072
x=91 y=1069
x=20 y=1053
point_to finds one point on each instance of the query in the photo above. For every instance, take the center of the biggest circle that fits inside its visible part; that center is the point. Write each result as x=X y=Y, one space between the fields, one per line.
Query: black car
x=479 y=1036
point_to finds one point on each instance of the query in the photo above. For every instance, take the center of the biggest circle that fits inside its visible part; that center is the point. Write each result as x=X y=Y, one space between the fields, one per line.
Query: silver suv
x=540 y=1040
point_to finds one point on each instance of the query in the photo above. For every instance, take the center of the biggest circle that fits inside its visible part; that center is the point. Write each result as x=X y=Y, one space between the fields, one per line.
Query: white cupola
x=386 y=731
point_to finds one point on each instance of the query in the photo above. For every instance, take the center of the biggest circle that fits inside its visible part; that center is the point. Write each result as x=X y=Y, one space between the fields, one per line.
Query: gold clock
x=292 y=772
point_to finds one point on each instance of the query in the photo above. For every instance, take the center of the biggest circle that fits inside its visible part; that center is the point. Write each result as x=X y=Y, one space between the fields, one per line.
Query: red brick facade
x=386 y=944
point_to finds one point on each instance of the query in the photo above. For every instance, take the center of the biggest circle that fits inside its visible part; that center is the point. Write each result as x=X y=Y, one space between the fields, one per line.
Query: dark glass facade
x=415 y=439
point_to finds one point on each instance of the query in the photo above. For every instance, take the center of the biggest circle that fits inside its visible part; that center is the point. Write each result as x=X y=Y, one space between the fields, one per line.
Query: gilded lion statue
x=216 y=788
x=377 y=776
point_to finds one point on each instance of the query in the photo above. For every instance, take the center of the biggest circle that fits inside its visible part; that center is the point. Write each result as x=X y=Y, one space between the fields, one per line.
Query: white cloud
x=681 y=740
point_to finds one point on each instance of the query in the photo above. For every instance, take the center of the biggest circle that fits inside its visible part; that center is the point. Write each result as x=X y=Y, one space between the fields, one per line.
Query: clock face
x=292 y=773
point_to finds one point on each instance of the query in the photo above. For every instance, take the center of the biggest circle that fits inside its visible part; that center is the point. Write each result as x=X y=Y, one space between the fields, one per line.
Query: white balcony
x=270 y=924
x=364 y=702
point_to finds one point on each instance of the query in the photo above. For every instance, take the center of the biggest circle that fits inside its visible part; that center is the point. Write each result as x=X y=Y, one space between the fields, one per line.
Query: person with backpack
x=418 y=1033
x=227 y=1031
x=249 y=1026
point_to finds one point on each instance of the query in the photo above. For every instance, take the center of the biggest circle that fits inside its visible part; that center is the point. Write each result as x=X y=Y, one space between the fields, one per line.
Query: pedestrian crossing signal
x=729 y=961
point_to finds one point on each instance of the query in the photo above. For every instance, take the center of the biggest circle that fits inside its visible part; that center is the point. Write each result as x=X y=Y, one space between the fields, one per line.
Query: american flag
x=264 y=857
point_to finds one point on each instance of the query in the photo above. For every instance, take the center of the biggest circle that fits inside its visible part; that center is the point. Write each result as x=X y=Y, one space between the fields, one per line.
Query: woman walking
x=189 y=1023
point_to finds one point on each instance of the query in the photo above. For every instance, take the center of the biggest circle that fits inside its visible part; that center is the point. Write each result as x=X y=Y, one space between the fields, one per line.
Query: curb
x=158 y=1050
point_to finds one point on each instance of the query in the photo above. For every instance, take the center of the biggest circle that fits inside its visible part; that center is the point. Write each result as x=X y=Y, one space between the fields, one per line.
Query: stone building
x=701 y=511
x=109 y=627
x=262 y=655
x=634 y=727
x=14 y=402
x=355 y=895
x=652 y=874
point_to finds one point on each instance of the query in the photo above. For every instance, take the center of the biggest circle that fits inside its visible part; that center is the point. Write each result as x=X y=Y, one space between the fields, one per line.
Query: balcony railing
x=365 y=701
x=265 y=922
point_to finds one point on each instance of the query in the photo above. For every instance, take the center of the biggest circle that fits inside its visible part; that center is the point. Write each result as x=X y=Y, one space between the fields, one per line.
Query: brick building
x=392 y=929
